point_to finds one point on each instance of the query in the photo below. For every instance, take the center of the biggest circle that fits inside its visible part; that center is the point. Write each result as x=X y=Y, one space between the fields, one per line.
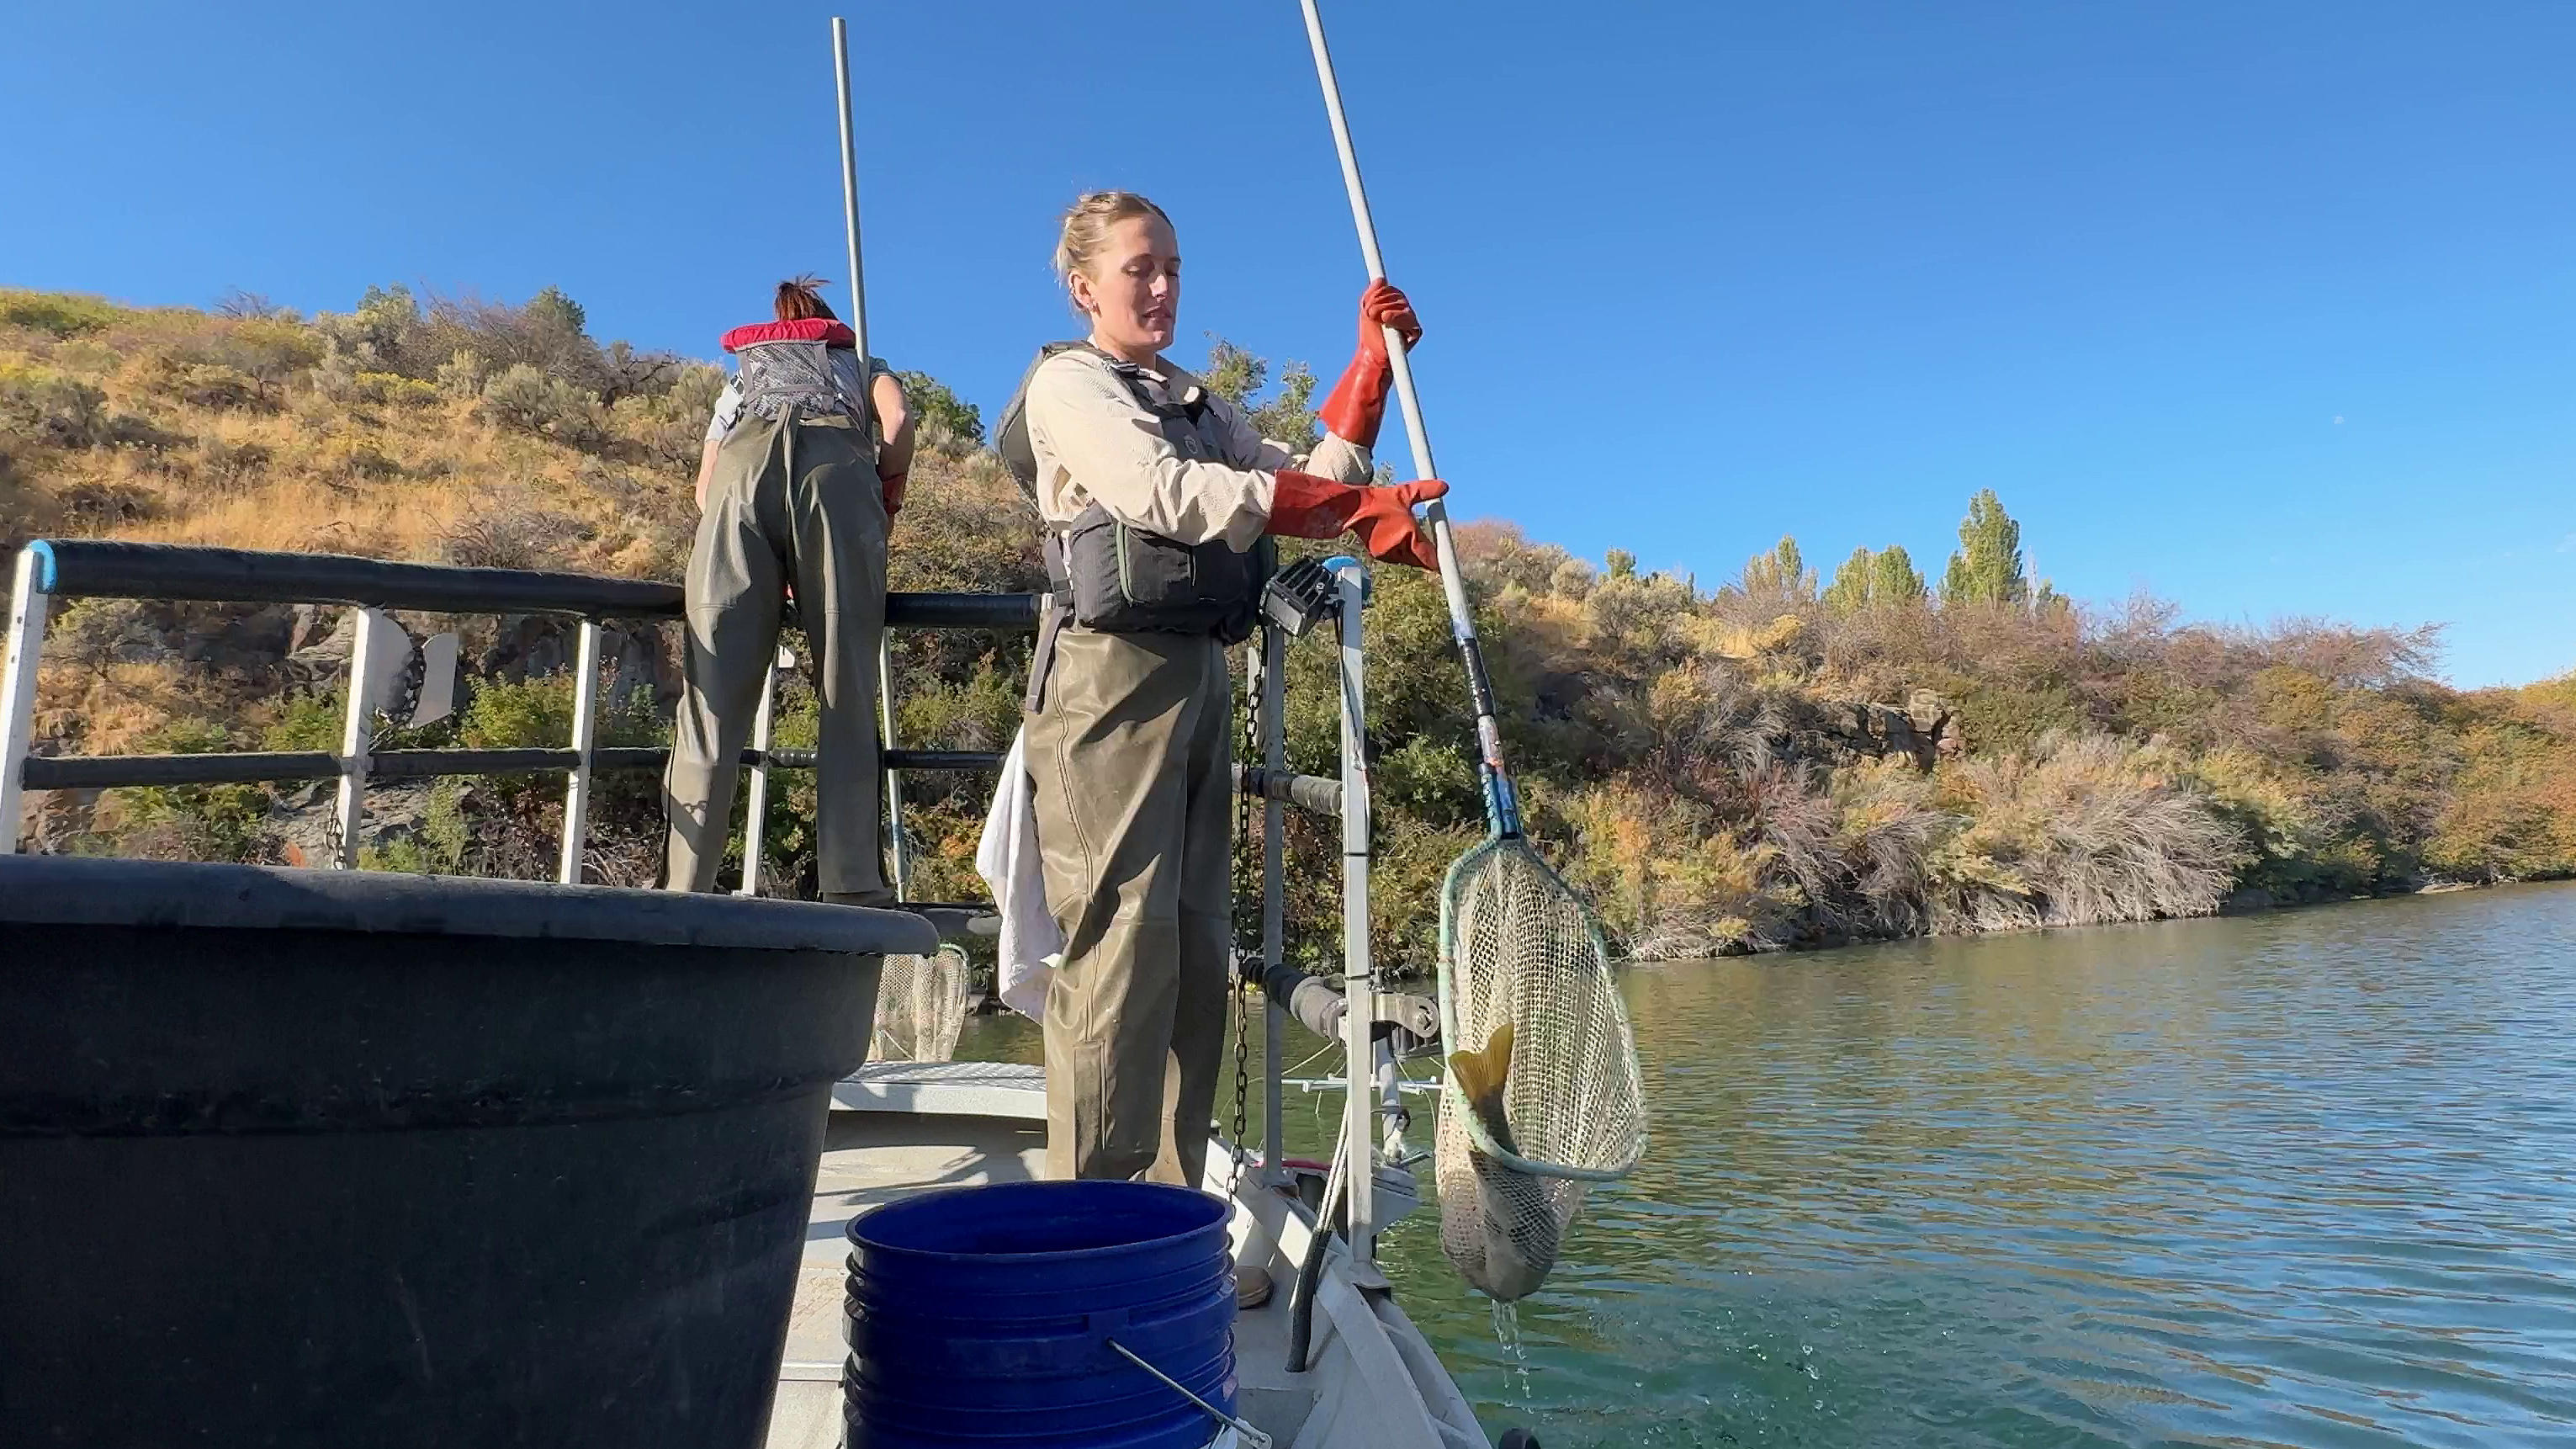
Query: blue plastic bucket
x=982 y=1316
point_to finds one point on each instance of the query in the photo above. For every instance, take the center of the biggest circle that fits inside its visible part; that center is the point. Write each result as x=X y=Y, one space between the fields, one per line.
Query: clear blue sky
x=2269 y=308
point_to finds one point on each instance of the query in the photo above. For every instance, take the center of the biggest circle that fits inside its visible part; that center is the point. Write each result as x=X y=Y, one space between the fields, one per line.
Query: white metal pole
x=28 y=604
x=1453 y=583
x=755 y=815
x=585 y=732
x=858 y=318
x=1359 y=978
x=1433 y=513
x=893 y=778
x=1274 y=901
x=349 y=811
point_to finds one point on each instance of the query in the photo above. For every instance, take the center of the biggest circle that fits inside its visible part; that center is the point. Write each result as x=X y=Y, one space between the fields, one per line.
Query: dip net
x=1543 y=1096
x=921 y=1007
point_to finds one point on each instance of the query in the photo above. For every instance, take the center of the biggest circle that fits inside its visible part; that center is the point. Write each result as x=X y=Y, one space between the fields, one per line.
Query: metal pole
x=350 y=809
x=1274 y=902
x=585 y=732
x=1462 y=622
x=893 y=778
x=756 y=807
x=28 y=603
x=858 y=318
x=1359 y=979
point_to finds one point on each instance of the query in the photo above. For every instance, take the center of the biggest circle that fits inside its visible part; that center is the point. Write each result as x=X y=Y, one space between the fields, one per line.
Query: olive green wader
x=792 y=498
x=1130 y=746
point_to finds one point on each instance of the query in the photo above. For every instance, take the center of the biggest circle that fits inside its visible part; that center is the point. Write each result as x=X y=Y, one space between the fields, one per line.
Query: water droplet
x=1507 y=1329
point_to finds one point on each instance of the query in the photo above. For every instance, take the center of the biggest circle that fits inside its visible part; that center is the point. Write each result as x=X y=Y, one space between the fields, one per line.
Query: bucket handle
x=1252 y=1438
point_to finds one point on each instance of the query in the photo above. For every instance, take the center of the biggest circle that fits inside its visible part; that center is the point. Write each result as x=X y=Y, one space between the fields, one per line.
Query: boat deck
x=900 y=1128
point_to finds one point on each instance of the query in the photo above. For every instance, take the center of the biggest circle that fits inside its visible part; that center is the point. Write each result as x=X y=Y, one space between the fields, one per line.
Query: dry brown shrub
x=513 y=534
x=2085 y=830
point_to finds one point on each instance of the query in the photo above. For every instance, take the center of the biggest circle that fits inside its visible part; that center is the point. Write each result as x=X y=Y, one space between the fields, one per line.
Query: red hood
x=810 y=329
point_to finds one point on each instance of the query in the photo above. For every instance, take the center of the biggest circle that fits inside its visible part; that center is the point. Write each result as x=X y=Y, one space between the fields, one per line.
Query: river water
x=2300 y=1179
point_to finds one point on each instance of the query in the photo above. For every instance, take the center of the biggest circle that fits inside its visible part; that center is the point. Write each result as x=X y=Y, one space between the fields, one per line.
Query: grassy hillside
x=1782 y=761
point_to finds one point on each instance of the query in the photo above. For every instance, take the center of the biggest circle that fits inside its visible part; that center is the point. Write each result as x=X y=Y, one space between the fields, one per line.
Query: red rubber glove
x=1306 y=506
x=893 y=485
x=1358 y=404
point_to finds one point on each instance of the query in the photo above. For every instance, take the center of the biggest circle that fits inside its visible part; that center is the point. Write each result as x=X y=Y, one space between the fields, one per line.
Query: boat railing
x=50 y=570
x=64 y=569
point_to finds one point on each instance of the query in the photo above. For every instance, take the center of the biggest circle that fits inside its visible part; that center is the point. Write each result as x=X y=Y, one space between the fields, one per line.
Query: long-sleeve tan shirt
x=1094 y=443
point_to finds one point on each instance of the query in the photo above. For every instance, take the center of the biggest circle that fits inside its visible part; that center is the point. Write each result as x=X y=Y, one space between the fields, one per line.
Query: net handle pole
x=1359 y=977
x=755 y=810
x=858 y=318
x=893 y=781
x=1501 y=803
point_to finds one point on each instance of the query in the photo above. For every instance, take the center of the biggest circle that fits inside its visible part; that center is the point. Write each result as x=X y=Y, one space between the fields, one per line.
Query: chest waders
x=793 y=501
x=1129 y=744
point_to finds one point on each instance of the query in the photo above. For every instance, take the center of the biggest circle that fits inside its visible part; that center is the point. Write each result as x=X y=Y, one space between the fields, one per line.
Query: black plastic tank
x=311 y=1158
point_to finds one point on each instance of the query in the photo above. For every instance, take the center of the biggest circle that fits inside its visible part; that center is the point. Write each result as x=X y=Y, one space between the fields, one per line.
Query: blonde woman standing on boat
x=799 y=481
x=1157 y=497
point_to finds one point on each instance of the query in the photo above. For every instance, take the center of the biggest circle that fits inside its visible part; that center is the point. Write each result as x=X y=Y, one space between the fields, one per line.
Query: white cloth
x=1031 y=946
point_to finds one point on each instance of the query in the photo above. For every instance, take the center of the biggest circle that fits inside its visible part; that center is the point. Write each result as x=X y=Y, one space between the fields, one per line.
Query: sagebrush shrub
x=394 y=388
x=40 y=403
x=513 y=536
x=354 y=460
x=461 y=375
x=206 y=384
x=529 y=401
x=62 y=314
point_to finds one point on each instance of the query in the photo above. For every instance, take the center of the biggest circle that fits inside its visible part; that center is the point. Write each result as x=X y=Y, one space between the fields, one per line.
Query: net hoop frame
x=882 y=1046
x=1452 y=887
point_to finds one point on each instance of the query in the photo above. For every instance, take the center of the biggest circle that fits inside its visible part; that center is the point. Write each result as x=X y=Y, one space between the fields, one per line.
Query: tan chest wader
x=1129 y=740
x=794 y=498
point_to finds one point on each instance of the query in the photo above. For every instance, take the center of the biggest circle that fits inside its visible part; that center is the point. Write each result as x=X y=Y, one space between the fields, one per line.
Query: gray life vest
x=814 y=379
x=1124 y=580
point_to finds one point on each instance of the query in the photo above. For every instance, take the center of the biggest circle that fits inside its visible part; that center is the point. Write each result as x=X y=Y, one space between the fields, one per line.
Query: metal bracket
x=1419 y=1015
x=1299 y=597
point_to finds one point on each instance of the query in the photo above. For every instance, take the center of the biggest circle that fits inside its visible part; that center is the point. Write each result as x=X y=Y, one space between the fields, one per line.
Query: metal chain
x=1247 y=718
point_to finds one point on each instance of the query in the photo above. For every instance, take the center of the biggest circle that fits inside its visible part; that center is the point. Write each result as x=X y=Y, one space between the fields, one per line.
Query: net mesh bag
x=1547 y=1099
x=921 y=1006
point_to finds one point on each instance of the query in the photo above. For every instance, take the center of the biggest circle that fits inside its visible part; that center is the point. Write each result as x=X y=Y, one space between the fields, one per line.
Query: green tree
x=1894 y=580
x=386 y=319
x=1779 y=573
x=1232 y=373
x=1853 y=583
x=1886 y=579
x=948 y=422
x=1987 y=569
x=1623 y=564
x=1288 y=418
x=551 y=311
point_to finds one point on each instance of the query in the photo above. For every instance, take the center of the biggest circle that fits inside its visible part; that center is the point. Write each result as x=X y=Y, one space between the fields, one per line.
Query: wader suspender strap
x=1056 y=607
x=1042 y=659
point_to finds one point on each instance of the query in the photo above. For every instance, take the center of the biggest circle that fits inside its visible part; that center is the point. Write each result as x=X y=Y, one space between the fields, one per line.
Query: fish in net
x=921 y=1006
x=1543 y=1096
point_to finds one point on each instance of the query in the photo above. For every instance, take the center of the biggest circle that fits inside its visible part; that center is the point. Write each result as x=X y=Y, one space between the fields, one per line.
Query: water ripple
x=2299 y=1181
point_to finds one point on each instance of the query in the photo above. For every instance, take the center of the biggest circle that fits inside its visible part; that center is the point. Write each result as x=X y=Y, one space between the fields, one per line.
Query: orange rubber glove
x=1306 y=506
x=1358 y=403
